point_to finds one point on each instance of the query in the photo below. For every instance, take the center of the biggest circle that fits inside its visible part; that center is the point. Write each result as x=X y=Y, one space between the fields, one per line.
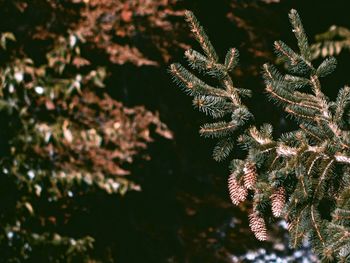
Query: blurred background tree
x=80 y=180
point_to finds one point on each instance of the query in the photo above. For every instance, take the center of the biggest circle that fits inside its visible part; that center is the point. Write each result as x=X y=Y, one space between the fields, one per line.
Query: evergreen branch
x=307 y=98
x=315 y=225
x=301 y=179
x=218 y=129
x=244 y=92
x=193 y=85
x=306 y=129
x=304 y=112
x=322 y=178
x=327 y=67
x=216 y=107
x=288 y=98
x=241 y=115
x=201 y=36
x=300 y=35
x=317 y=157
x=295 y=63
x=299 y=115
x=295 y=228
x=222 y=149
x=273 y=77
x=342 y=103
x=283 y=50
x=233 y=91
x=270 y=73
x=231 y=59
x=342 y=158
x=266 y=130
x=201 y=63
x=284 y=150
x=296 y=82
x=300 y=170
x=340 y=237
x=316 y=88
x=259 y=137
x=341 y=216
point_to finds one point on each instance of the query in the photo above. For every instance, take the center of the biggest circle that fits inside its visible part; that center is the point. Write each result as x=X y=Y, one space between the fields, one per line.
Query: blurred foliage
x=140 y=32
x=118 y=27
x=332 y=42
x=62 y=138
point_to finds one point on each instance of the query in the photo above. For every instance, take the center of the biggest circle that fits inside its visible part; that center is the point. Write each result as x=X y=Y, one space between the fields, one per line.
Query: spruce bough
x=293 y=176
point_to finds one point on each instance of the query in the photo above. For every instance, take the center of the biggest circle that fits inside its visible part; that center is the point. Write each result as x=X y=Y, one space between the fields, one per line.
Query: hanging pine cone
x=250 y=175
x=257 y=225
x=278 y=200
x=238 y=193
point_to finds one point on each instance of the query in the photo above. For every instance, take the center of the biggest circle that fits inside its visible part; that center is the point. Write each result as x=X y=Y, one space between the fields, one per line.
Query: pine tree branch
x=300 y=35
x=201 y=36
x=300 y=170
x=315 y=225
